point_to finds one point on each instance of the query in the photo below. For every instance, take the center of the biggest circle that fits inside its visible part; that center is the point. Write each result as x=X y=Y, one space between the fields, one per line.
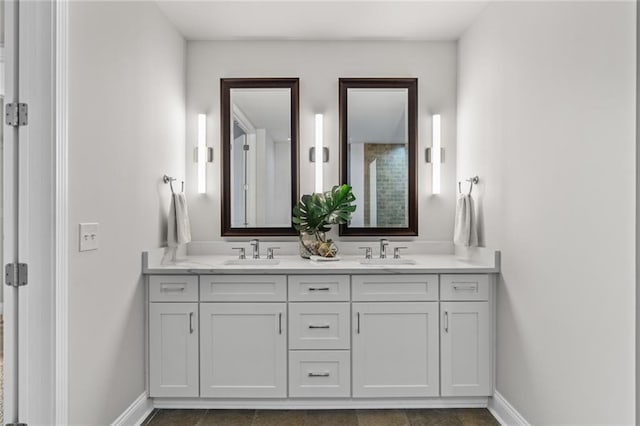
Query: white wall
x=319 y=65
x=126 y=129
x=546 y=103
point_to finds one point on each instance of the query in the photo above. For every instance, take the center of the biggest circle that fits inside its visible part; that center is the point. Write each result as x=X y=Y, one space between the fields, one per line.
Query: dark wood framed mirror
x=378 y=154
x=259 y=145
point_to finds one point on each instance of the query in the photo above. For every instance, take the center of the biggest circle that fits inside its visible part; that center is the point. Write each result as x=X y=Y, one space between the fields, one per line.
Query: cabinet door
x=173 y=349
x=465 y=349
x=243 y=350
x=395 y=349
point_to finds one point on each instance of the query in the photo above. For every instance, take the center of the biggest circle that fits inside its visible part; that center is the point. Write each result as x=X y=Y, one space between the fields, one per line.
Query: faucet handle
x=367 y=252
x=270 y=251
x=396 y=252
x=241 y=253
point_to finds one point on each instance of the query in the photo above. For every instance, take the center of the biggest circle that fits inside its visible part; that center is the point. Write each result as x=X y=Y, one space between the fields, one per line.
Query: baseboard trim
x=320 y=404
x=136 y=413
x=504 y=412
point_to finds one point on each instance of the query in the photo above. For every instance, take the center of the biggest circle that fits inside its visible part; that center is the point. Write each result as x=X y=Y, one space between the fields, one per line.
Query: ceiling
x=321 y=19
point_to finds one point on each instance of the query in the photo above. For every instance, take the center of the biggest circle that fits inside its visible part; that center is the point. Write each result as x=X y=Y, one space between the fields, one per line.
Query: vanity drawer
x=388 y=288
x=319 y=288
x=173 y=288
x=464 y=287
x=319 y=325
x=319 y=374
x=243 y=288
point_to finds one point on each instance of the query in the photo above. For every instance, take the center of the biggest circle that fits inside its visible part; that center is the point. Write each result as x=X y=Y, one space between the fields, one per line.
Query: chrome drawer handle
x=446 y=321
x=279 y=322
x=325 y=374
x=171 y=289
x=190 y=322
x=319 y=289
x=319 y=326
x=468 y=287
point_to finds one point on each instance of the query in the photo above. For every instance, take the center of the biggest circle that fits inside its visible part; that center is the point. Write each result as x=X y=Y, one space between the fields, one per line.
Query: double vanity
x=416 y=331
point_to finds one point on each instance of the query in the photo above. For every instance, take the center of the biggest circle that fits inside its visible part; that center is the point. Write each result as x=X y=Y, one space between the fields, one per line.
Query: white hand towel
x=465 y=231
x=179 y=229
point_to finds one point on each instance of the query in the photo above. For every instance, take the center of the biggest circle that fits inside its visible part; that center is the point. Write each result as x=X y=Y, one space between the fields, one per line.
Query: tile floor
x=419 y=417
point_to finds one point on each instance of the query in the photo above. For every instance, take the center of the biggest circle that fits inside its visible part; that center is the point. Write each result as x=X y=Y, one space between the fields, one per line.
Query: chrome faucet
x=383 y=248
x=255 y=243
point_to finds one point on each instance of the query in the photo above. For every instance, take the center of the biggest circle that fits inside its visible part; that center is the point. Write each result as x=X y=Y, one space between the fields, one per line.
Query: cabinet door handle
x=324 y=374
x=279 y=322
x=446 y=321
x=319 y=326
x=190 y=322
x=358 y=322
x=319 y=288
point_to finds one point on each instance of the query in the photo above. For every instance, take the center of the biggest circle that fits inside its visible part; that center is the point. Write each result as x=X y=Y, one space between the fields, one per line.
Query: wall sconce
x=435 y=154
x=203 y=154
x=317 y=149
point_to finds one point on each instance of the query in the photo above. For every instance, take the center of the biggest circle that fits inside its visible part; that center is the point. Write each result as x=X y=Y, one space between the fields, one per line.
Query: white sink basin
x=388 y=261
x=252 y=262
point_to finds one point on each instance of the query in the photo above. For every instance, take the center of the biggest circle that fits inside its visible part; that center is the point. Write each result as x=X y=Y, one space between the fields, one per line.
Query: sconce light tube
x=319 y=151
x=436 y=145
x=202 y=157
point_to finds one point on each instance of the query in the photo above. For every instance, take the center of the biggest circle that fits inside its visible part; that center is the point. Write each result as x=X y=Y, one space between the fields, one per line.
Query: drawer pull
x=172 y=289
x=446 y=321
x=190 y=322
x=465 y=287
x=358 y=317
x=279 y=322
x=319 y=326
x=324 y=374
x=319 y=289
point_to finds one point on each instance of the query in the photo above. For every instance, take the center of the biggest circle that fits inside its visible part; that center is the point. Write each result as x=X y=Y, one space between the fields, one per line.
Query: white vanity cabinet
x=331 y=340
x=173 y=336
x=395 y=344
x=243 y=350
x=243 y=336
x=465 y=336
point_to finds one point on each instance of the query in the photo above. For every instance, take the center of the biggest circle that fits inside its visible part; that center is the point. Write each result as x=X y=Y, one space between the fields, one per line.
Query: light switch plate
x=88 y=236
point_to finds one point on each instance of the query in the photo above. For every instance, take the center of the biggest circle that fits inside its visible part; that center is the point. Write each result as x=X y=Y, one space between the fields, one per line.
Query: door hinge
x=16 y=274
x=16 y=114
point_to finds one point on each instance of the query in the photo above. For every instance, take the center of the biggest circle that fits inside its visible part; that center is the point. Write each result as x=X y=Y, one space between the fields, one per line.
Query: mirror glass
x=378 y=145
x=260 y=152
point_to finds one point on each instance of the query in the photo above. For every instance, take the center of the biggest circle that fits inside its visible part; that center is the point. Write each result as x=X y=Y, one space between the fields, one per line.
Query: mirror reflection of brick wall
x=391 y=168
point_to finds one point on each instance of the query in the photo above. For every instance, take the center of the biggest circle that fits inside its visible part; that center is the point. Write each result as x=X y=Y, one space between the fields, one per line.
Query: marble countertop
x=348 y=264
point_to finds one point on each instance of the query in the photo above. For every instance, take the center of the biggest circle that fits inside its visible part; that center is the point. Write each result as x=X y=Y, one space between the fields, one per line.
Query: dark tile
x=476 y=417
x=433 y=417
x=331 y=418
x=382 y=418
x=146 y=421
x=279 y=418
x=177 y=417
x=228 y=418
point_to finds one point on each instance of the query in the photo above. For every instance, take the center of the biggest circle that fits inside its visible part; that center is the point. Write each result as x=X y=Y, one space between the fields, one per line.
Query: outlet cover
x=88 y=236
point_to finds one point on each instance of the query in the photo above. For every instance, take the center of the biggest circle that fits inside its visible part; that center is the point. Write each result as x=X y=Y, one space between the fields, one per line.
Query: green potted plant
x=314 y=214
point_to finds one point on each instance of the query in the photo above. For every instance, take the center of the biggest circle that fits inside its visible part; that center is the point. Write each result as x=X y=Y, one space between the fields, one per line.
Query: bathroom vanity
x=305 y=334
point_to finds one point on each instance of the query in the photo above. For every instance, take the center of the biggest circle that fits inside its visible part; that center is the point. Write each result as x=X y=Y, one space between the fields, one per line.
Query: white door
x=33 y=392
x=395 y=349
x=243 y=350
x=173 y=349
x=465 y=349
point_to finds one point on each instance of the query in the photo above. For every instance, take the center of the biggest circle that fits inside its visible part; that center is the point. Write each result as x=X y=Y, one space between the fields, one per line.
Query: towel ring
x=471 y=180
x=168 y=179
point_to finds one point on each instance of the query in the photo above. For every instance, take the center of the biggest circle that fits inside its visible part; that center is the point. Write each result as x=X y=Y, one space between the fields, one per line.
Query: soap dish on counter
x=324 y=259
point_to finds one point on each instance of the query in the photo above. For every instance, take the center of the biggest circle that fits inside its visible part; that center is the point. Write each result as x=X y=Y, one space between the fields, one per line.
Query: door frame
x=61 y=377
x=39 y=238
